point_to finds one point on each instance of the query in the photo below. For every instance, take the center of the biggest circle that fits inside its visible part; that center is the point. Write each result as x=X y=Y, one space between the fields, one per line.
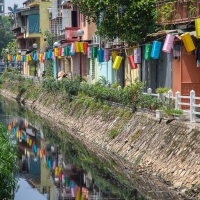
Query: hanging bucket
x=155 y=51
x=72 y=49
x=197 y=27
x=168 y=43
x=147 y=52
x=114 y=55
x=89 y=53
x=67 y=50
x=59 y=51
x=188 y=42
x=77 y=47
x=85 y=47
x=133 y=65
x=117 y=62
x=94 y=52
x=100 y=55
x=106 y=55
x=56 y=52
x=81 y=47
x=137 y=55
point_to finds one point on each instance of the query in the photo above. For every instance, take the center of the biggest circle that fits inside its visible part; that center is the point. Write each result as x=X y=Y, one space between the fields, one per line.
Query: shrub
x=113 y=133
x=162 y=90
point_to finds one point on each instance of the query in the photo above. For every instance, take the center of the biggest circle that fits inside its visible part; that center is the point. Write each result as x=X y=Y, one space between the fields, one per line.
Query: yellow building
x=30 y=25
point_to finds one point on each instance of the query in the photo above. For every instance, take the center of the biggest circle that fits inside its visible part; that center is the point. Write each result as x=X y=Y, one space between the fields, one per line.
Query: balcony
x=71 y=34
x=61 y=37
x=177 y=12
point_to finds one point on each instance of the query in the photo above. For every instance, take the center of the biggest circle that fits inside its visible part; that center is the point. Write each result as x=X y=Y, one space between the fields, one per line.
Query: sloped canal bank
x=160 y=160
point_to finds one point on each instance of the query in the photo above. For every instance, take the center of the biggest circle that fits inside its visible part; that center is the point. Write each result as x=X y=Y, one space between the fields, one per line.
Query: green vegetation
x=6 y=34
x=149 y=102
x=174 y=111
x=162 y=90
x=165 y=13
x=113 y=133
x=93 y=96
x=8 y=165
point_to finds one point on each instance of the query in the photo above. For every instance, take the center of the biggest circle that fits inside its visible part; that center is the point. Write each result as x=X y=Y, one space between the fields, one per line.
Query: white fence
x=178 y=102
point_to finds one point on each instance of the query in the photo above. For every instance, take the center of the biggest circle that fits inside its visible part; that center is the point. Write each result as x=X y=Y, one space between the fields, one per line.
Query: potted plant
x=162 y=91
x=170 y=113
x=159 y=113
x=178 y=113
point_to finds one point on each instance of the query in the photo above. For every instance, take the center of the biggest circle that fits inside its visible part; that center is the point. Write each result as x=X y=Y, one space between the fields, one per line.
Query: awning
x=176 y=32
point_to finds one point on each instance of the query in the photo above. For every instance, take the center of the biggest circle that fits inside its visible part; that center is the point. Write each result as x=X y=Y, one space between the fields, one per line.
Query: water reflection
x=66 y=168
x=26 y=191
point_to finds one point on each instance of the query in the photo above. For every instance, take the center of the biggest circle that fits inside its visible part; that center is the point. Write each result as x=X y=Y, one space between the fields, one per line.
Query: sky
x=12 y=2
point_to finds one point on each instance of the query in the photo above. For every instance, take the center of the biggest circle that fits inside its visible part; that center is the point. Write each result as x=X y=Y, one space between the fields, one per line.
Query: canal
x=53 y=165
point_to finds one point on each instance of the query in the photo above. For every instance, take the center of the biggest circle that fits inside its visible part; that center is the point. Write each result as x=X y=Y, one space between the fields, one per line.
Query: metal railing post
x=192 y=108
x=177 y=100
x=149 y=91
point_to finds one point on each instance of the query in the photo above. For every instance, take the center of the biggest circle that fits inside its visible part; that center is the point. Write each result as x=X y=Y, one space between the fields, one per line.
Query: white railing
x=178 y=103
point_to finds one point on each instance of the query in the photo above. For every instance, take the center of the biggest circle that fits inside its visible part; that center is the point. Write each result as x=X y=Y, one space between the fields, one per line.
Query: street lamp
x=7 y=51
x=35 y=47
x=19 y=62
x=80 y=34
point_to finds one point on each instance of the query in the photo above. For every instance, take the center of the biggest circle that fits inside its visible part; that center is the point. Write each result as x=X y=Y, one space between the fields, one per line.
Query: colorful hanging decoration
x=77 y=47
x=100 y=55
x=49 y=54
x=133 y=65
x=72 y=49
x=81 y=47
x=55 y=51
x=106 y=55
x=147 y=52
x=155 y=51
x=94 y=52
x=89 y=54
x=66 y=51
x=63 y=52
x=59 y=51
x=168 y=43
x=73 y=188
x=35 y=56
x=117 y=62
x=114 y=55
x=197 y=27
x=24 y=58
x=188 y=42
x=85 y=47
x=137 y=55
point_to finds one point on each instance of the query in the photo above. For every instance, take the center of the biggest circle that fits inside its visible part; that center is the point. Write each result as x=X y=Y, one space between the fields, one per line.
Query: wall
x=154 y=154
x=44 y=20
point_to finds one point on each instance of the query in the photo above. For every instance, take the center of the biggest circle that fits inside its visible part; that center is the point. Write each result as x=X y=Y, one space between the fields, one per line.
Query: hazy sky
x=12 y=2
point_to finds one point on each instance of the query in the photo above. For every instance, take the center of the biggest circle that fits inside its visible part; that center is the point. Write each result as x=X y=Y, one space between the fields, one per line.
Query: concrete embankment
x=162 y=160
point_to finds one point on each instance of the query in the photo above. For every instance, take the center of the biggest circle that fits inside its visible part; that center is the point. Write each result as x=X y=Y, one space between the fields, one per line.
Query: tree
x=8 y=167
x=129 y=20
x=13 y=48
x=13 y=9
x=6 y=33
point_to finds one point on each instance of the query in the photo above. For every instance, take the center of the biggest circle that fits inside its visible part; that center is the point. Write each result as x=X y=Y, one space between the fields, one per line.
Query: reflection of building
x=28 y=145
